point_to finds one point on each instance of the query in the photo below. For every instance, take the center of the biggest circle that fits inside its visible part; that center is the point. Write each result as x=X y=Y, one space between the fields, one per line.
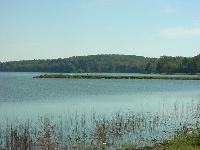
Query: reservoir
x=23 y=98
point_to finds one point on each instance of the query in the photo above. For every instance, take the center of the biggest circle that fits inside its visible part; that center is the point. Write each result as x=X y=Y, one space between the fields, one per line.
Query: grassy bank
x=176 y=127
x=88 y=76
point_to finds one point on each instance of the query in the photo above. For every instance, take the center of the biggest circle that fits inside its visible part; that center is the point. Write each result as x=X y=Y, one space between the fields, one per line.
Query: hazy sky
x=36 y=29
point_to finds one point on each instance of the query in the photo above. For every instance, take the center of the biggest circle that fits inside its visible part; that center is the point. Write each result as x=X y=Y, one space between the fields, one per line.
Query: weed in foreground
x=168 y=129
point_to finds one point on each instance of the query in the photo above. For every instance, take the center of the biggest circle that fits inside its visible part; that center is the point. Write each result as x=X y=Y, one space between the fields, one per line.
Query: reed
x=119 y=130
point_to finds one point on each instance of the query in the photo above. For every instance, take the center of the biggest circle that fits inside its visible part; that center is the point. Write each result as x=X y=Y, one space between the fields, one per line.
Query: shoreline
x=89 y=76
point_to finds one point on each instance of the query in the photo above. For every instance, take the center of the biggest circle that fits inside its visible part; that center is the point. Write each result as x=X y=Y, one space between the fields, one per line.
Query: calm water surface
x=25 y=97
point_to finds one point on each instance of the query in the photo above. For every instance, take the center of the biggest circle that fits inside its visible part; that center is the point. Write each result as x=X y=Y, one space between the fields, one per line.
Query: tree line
x=111 y=63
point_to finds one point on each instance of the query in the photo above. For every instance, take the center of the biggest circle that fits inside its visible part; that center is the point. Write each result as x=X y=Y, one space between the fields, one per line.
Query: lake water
x=25 y=97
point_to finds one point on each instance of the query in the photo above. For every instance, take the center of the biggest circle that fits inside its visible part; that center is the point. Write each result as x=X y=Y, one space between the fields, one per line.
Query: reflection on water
x=77 y=130
x=23 y=96
x=123 y=110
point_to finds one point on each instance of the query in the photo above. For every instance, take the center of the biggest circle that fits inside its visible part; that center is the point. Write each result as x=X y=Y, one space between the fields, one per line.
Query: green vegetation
x=108 y=63
x=168 y=129
x=87 y=76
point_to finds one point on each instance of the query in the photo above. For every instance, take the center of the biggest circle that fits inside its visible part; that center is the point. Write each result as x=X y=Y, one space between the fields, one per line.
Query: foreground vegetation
x=175 y=127
x=91 y=76
x=108 y=63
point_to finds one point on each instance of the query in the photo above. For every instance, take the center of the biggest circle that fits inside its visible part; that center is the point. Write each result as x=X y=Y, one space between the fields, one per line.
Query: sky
x=50 y=29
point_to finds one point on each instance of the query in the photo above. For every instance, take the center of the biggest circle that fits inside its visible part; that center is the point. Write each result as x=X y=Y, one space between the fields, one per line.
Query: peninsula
x=93 y=76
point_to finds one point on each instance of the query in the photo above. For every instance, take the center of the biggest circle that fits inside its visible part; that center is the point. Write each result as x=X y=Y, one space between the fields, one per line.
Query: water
x=23 y=96
x=146 y=109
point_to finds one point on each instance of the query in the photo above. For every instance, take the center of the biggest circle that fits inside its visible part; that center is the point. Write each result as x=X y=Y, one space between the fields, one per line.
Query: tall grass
x=100 y=131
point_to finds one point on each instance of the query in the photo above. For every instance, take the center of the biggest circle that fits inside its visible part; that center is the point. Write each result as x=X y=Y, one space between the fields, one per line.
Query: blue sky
x=46 y=29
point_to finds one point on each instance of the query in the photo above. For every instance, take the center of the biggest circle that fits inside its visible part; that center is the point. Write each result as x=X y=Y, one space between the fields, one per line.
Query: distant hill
x=111 y=63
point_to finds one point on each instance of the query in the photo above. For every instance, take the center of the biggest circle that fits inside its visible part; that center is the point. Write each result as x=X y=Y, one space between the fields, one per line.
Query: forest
x=107 y=63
